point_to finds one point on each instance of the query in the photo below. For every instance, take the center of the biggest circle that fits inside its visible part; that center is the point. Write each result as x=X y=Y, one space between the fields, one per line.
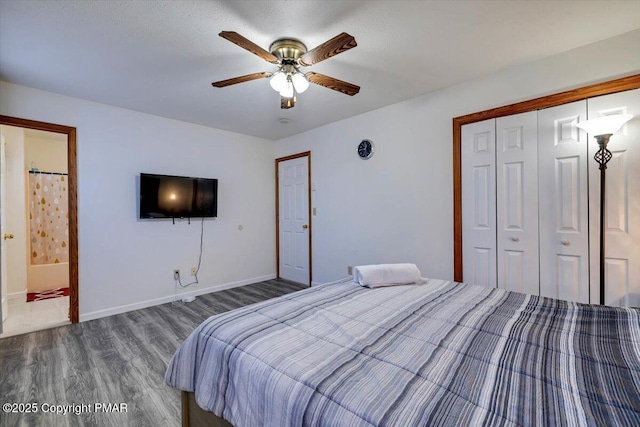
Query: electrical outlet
x=193 y=271
x=350 y=269
x=176 y=274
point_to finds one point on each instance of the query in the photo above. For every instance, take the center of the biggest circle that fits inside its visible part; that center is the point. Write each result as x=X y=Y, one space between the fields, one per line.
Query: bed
x=433 y=353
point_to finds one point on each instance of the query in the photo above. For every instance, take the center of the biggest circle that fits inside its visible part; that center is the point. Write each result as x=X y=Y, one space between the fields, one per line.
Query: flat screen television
x=166 y=196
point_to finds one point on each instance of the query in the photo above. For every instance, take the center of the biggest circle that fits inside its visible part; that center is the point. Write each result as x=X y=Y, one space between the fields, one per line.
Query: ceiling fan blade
x=242 y=79
x=247 y=44
x=326 y=50
x=286 y=103
x=331 y=83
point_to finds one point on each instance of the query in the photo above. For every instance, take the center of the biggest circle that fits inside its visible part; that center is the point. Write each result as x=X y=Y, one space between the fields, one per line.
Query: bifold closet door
x=622 y=213
x=517 y=202
x=563 y=203
x=479 y=203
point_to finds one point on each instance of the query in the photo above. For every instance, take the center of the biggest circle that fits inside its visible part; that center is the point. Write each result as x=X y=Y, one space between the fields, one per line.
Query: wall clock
x=365 y=149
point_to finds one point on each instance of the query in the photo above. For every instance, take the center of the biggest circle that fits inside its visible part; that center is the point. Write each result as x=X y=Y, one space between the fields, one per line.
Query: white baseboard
x=315 y=283
x=150 y=303
x=17 y=295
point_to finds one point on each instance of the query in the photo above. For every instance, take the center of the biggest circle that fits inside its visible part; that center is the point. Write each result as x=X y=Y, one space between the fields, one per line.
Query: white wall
x=48 y=155
x=397 y=206
x=15 y=210
x=126 y=263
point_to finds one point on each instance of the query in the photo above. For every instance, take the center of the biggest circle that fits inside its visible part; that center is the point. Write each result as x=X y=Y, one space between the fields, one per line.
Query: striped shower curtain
x=48 y=218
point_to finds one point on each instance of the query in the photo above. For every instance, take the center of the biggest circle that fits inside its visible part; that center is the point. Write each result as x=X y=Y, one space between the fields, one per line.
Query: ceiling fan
x=289 y=55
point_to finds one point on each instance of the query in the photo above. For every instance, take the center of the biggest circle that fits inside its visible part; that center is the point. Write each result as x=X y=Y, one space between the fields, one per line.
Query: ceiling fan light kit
x=288 y=90
x=278 y=81
x=300 y=82
x=289 y=55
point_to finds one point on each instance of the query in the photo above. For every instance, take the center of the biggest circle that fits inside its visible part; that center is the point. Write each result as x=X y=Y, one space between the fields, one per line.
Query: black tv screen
x=166 y=196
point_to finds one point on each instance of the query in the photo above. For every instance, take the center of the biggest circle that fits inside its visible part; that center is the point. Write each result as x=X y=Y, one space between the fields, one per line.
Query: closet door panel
x=478 y=203
x=517 y=202
x=622 y=209
x=563 y=203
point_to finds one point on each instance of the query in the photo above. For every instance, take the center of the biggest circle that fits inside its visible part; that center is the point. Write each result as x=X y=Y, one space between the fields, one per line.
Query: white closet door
x=622 y=211
x=517 y=202
x=479 y=203
x=563 y=203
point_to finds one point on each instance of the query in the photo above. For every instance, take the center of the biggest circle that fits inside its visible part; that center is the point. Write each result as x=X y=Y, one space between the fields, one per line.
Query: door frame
x=72 y=170
x=277 y=164
x=605 y=88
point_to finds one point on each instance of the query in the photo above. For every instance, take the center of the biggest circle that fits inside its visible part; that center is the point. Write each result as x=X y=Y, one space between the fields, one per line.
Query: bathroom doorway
x=39 y=250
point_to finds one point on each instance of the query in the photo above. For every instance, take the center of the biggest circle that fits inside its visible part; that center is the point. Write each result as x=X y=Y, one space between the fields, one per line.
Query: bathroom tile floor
x=34 y=316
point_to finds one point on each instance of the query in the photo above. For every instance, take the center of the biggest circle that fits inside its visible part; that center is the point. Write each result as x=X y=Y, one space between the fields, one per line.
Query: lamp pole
x=603 y=127
x=602 y=156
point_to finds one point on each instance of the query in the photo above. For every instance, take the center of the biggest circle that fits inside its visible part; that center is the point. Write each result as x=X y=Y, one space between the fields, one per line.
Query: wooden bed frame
x=194 y=416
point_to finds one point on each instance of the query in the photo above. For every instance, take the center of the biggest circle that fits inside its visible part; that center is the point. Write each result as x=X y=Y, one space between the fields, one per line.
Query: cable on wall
x=195 y=282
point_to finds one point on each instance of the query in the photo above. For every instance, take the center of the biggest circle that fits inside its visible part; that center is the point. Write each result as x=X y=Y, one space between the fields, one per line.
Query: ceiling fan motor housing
x=288 y=50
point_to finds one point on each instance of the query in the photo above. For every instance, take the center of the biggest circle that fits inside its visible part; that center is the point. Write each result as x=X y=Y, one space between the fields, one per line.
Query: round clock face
x=365 y=149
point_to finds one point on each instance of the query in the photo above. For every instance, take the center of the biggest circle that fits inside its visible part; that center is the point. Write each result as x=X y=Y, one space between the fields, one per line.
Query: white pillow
x=376 y=275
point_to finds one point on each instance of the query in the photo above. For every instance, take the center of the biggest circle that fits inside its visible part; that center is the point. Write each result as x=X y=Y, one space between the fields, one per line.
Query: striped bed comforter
x=439 y=353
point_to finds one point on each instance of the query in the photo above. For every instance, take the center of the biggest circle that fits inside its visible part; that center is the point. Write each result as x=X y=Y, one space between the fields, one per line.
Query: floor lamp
x=601 y=129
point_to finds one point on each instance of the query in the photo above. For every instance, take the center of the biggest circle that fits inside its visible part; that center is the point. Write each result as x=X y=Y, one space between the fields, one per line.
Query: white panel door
x=479 y=203
x=622 y=209
x=563 y=203
x=517 y=202
x=293 y=219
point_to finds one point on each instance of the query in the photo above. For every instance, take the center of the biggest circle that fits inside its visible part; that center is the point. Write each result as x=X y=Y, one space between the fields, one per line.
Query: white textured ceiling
x=160 y=57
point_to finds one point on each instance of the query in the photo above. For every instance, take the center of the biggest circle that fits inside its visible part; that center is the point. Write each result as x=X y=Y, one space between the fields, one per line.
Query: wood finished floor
x=115 y=359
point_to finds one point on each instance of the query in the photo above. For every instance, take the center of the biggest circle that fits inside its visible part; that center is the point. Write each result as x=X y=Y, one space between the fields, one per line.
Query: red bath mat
x=54 y=293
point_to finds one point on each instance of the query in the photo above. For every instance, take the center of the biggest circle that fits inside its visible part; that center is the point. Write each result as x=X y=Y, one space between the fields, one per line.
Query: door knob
x=8 y=236
x=305 y=226
x=565 y=242
x=514 y=239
